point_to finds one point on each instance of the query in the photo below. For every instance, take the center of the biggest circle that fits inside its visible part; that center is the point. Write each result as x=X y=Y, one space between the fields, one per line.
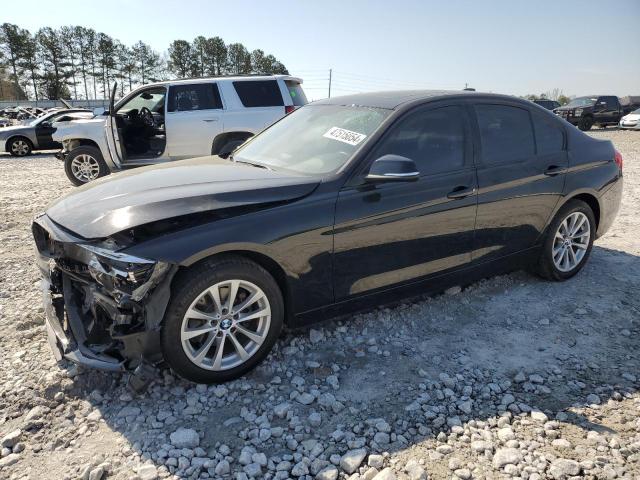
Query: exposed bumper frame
x=130 y=336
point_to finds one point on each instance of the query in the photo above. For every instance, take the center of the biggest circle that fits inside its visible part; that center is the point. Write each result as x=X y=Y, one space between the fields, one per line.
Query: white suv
x=174 y=120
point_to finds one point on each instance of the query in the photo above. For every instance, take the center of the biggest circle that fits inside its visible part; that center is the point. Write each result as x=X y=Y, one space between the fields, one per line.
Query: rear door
x=521 y=172
x=193 y=119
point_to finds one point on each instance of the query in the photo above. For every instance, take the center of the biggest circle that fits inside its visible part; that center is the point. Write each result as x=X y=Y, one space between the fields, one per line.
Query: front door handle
x=461 y=192
x=210 y=120
x=554 y=170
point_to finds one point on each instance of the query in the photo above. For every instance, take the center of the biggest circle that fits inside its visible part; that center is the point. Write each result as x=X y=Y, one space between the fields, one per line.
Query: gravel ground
x=513 y=377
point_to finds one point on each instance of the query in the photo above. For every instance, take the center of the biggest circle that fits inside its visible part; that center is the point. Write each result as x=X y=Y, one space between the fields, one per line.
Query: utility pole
x=329 y=83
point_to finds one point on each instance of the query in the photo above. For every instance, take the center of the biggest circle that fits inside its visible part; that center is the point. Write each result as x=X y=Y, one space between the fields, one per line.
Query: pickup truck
x=585 y=112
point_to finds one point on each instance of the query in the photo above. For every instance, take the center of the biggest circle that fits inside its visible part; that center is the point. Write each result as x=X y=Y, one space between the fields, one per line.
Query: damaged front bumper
x=103 y=308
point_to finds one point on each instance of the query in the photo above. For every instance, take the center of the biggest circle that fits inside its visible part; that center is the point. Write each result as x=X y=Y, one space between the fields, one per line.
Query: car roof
x=393 y=100
x=232 y=78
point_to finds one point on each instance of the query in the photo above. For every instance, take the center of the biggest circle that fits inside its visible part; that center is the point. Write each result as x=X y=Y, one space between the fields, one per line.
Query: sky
x=515 y=47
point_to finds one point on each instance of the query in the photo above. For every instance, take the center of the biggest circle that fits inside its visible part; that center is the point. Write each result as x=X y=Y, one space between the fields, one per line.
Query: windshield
x=313 y=140
x=41 y=118
x=582 y=102
x=636 y=112
x=153 y=99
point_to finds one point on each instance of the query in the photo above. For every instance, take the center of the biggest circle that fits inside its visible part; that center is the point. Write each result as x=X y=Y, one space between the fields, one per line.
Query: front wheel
x=224 y=317
x=585 y=124
x=20 y=147
x=568 y=242
x=84 y=164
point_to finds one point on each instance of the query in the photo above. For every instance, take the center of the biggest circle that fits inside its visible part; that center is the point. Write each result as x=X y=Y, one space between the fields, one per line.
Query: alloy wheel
x=85 y=167
x=571 y=241
x=20 y=148
x=225 y=325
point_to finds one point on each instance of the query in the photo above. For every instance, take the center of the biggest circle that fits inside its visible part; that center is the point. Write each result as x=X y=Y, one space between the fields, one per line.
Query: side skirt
x=418 y=289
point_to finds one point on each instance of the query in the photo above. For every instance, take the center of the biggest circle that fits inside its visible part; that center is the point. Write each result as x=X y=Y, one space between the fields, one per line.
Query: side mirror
x=45 y=124
x=392 y=168
x=98 y=111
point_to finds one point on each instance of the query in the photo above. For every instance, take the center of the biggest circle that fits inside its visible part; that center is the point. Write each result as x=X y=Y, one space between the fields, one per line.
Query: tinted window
x=612 y=102
x=434 y=139
x=549 y=135
x=259 y=93
x=199 y=96
x=297 y=94
x=505 y=133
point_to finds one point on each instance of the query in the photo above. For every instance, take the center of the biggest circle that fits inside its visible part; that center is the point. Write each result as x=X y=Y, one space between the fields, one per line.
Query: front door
x=521 y=172
x=395 y=233
x=44 y=130
x=194 y=118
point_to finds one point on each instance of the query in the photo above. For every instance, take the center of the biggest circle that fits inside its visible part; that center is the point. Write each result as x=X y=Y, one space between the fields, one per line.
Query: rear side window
x=549 y=135
x=198 y=96
x=259 y=93
x=433 y=139
x=297 y=94
x=506 y=133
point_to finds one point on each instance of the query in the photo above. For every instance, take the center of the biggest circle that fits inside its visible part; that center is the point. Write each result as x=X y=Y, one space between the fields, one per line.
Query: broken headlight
x=122 y=272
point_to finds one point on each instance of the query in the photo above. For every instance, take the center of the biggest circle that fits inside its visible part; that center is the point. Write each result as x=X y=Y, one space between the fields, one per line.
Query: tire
x=86 y=155
x=190 y=290
x=546 y=266
x=20 y=147
x=585 y=124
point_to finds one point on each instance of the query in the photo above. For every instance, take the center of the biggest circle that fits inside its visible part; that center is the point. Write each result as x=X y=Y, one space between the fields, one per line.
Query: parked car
x=631 y=121
x=585 y=112
x=345 y=203
x=21 y=140
x=548 y=104
x=176 y=120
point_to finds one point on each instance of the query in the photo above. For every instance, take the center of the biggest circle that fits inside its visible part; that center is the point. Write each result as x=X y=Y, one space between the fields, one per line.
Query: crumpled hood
x=144 y=195
x=71 y=128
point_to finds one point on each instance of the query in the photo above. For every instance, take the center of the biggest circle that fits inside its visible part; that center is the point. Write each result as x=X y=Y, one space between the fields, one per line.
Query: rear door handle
x=210 y=120
x=555 y=170
x=461 y=192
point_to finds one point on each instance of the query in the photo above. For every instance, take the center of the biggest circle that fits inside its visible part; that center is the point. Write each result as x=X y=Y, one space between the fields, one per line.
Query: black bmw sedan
x=345 y=203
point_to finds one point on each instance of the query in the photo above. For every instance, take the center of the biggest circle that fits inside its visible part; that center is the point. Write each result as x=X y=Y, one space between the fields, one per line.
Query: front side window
x=152 y=98
x=506 y=133
x=198 y=96
x=313 y=140
x=433 y=139
x=259 y=93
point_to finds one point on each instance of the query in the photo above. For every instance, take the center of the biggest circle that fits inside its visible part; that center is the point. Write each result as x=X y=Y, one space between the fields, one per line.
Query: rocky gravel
x=511 y=377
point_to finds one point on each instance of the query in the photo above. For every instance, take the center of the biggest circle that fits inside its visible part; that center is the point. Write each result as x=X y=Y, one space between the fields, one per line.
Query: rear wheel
x=223 y=319
x=20 y=147
x=569 y=241
x=84 y=164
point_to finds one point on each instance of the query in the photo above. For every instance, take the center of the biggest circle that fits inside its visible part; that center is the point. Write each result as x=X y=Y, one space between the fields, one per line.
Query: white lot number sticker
x=346 y=136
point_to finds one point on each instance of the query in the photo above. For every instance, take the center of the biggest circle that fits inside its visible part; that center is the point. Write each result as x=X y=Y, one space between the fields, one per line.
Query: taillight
x=288 y=109
x=618 y=159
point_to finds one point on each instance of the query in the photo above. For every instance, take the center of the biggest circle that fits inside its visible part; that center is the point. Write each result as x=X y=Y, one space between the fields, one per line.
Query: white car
x=631 y=121
x=175 y=120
